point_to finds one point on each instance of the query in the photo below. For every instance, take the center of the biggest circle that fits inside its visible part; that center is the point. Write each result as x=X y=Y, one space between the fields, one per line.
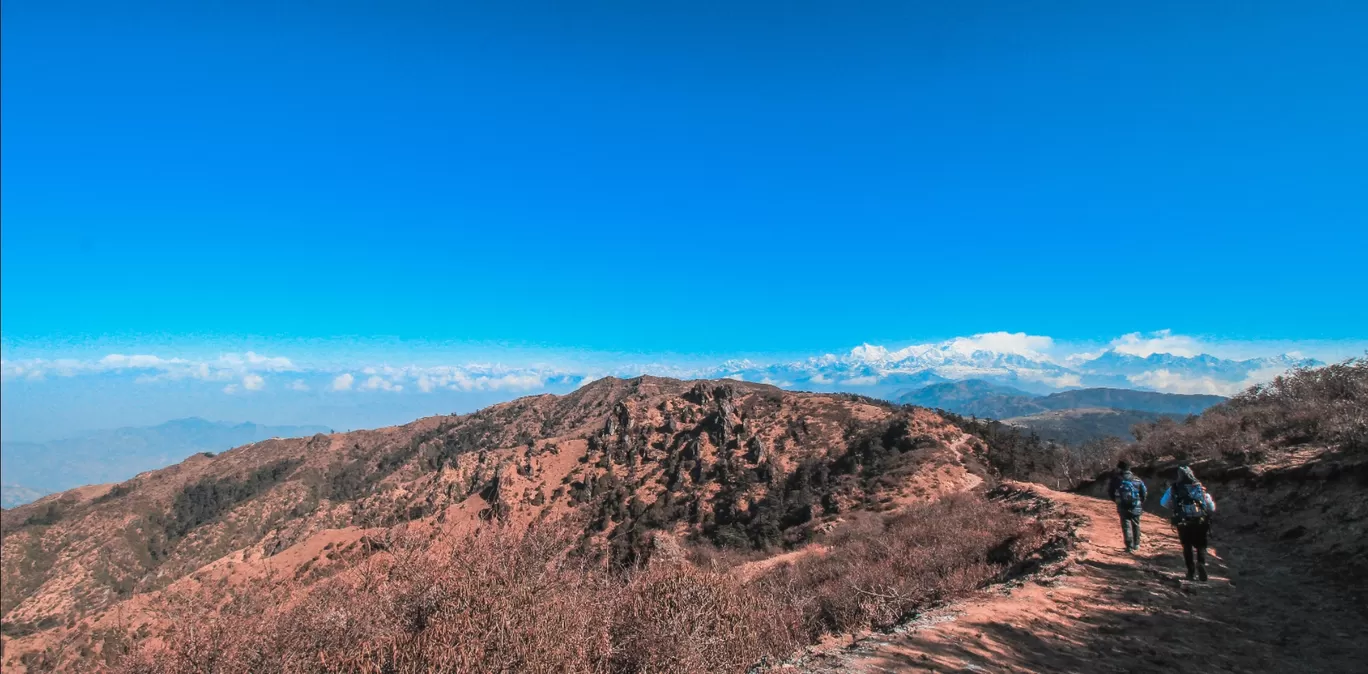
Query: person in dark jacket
x=1192 y=509
x=1129 y=493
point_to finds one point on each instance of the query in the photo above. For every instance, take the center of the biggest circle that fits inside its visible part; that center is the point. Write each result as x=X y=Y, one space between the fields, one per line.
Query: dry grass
x=500 y=602
x=1327 y=405
x=882 y=569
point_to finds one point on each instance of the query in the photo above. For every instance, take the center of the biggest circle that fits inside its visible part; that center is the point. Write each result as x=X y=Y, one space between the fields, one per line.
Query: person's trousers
x=1193 y=536
x=1130 y=529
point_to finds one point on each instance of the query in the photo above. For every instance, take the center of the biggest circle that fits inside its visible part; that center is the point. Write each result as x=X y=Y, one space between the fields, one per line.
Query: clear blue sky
x=683 y=177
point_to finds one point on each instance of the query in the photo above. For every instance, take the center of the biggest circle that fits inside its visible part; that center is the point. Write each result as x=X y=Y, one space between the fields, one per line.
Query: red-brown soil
x=1110 y=611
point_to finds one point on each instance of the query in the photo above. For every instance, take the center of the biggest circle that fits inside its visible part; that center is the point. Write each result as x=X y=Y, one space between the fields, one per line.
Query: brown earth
x=737 y=464
x=1263 y=610
x=649 y=469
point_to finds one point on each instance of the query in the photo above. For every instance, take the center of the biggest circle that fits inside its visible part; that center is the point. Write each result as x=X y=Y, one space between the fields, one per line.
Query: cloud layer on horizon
x=1160 y=361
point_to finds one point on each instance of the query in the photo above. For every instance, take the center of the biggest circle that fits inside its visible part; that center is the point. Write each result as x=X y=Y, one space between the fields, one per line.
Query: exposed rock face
x=755 y=449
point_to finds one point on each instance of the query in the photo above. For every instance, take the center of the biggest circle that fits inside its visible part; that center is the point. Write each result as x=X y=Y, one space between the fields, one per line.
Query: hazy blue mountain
x=118 y=454
x=1077 y=426
x=1128 y=399
x=1112 y=363
x=985 y=399
x=974 y=397
x=17 y=494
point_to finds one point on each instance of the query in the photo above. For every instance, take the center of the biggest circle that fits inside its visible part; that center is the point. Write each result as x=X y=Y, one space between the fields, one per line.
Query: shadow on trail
x=1123 y=613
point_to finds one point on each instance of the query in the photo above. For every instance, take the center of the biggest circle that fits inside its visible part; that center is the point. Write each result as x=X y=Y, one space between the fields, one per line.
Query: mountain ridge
x=731 y=463
x=985 y=399
x=113 y=455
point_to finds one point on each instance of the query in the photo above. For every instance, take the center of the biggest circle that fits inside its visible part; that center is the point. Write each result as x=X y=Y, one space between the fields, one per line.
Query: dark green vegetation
x=1081 y=426
x=982 y=399
x=973 y=397
x=204 y=501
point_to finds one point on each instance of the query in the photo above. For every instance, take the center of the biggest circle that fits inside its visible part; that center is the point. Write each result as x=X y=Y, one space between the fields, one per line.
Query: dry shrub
x=496 y=602
x=882 y=569
x=1326 y=405
x=507 y=601
x=683 y=619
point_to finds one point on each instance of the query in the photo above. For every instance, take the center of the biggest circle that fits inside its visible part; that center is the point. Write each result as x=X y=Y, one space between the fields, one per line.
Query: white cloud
x=1163 y=341
x=119 y=361
x=473 y=377
x=994 y=355
x=254 y=362
x=1174 y=382
x=1068 y=380
x=867 y=380
x=152 y=368
x=1018 y=343
x=377 y=383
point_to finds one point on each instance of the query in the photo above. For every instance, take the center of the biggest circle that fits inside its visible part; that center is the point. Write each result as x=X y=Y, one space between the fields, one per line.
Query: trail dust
x=1111 y=611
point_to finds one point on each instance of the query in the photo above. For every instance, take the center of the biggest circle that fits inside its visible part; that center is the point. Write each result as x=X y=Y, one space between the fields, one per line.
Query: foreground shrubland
x=501 y=601
x=1326 y=405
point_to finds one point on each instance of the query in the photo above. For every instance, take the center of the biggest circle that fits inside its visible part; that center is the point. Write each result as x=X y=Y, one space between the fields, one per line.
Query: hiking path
x=1111 y=611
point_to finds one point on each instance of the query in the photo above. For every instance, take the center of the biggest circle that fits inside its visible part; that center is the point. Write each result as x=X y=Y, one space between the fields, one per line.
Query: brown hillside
x=743 y=466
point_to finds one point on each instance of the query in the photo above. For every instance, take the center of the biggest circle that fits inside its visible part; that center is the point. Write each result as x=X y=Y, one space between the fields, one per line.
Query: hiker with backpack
x=1192 y=509
x=1129 y=493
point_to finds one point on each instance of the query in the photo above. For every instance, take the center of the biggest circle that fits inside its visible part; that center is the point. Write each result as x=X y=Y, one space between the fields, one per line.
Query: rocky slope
x=740 y=465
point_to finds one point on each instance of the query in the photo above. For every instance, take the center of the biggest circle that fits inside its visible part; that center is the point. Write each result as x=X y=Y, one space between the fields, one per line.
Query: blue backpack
x=1128 y=493
x=1189 y=503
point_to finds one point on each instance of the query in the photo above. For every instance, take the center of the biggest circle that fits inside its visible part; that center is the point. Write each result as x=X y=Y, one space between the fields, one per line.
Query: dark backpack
x=1189 y=503
x=1128 y=493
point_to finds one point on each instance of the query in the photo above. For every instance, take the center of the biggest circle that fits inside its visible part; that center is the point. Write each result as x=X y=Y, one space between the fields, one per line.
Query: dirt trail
x=1114 y=612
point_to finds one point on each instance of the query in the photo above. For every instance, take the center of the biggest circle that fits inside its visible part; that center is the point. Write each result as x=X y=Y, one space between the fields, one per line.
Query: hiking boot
x=1191 y=575
x=1201 y=575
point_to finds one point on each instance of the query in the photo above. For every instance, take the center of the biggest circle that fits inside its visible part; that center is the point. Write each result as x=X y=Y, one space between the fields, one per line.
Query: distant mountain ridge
x=1081 y=425
x=1072 y=417
x=32 y=469
x=12 y=494
x=983 y=399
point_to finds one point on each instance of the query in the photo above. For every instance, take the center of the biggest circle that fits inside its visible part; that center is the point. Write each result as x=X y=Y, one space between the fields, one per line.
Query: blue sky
x=672 y=181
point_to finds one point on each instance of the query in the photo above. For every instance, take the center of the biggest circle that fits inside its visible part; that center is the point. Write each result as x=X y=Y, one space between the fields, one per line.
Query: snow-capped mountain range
x=1158 y=361
x=877 y=368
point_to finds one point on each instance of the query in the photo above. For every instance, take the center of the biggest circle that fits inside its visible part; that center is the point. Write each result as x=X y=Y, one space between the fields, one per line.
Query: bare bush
x=683 y=619
x=881 y=569
x=501 y=601
x=1326 y=405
